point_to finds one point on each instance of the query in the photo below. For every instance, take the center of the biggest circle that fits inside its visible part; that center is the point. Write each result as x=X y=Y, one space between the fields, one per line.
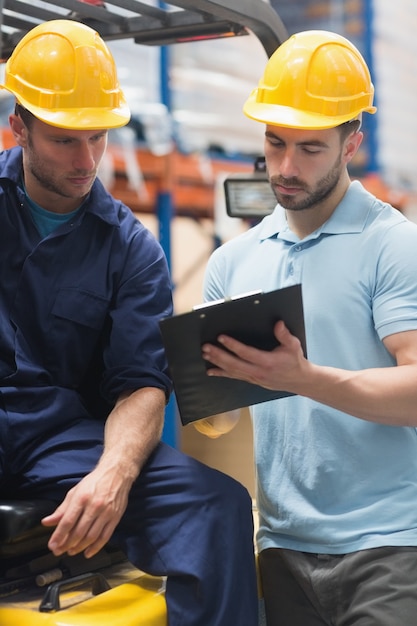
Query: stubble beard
x=323 y=189
x=47 y=182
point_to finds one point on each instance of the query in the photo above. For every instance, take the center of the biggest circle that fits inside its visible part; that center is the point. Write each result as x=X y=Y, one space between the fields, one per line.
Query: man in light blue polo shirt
x=336 y=463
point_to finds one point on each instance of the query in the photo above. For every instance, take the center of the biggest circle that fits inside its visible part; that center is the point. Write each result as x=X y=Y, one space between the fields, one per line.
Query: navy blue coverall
x=79 y=312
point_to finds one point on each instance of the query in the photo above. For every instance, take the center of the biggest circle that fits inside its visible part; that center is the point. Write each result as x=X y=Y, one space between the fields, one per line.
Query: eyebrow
x=62 y=135
x=310 y=142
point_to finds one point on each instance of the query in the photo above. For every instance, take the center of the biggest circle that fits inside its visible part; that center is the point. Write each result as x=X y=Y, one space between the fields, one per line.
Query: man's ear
x=352 y=143
x=19 y=130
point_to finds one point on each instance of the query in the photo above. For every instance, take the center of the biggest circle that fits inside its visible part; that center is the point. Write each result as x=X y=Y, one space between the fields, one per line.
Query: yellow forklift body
x=138 y=602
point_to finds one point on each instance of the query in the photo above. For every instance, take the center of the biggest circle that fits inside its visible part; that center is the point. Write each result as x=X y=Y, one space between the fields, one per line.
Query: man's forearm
x=133 y=429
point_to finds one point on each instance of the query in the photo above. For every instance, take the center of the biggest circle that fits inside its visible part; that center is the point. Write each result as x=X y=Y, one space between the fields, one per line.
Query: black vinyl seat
x=24 y=549
x=21 y=531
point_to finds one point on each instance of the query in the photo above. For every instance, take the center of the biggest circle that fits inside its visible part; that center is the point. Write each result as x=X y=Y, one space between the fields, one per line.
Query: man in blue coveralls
x=83 y=376
x=336 y=461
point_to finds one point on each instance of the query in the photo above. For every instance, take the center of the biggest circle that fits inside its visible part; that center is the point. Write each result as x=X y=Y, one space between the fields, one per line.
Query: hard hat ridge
x=64 y=74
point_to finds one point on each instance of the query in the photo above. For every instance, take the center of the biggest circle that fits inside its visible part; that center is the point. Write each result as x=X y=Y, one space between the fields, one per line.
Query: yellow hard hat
x=316 y=79
x=65 y=75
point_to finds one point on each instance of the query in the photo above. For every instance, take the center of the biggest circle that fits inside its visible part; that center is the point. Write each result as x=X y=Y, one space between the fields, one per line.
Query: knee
x=224 y=490
x=199 y=485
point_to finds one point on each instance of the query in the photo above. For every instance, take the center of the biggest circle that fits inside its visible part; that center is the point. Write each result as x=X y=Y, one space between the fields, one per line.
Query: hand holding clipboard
x=250 y=319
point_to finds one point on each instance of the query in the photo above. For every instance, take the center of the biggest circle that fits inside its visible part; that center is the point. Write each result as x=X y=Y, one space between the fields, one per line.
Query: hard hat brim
x=83 y=118
x=288 y=117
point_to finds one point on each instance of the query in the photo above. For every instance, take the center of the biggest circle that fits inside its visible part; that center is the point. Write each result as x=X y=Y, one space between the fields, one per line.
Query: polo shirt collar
x=349 y=216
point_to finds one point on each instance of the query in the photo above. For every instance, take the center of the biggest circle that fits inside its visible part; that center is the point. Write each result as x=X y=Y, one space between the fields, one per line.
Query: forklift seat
x=21 y=531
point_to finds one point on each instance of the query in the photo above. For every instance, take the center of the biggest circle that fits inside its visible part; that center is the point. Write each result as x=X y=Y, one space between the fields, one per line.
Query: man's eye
x=311 y=150
x=276 y=143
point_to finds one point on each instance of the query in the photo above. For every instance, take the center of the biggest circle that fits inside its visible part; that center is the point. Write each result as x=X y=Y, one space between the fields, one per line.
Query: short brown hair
x=26 y=116
x=346 y=129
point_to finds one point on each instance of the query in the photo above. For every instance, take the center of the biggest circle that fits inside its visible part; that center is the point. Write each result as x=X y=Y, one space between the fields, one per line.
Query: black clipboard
x=250 y=319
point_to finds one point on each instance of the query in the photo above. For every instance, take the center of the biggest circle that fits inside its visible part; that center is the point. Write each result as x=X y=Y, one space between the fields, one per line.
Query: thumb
x=285 y=338
x=281 y=332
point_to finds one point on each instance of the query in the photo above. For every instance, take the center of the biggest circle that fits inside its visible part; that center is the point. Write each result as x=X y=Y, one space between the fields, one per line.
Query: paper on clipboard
x=250 y=318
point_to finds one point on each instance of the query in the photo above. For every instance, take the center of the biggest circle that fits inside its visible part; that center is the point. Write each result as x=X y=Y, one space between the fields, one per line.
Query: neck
x=50 y=200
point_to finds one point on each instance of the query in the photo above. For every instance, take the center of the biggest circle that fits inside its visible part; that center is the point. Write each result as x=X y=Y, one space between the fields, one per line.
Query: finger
x=234 y=356
x=218 y=360
x=96 y=538
x=52 y=520
x=100 y=542
x=284 y=336
x=65 y=531
x=55 y=517
x=73 y=542
x=280 y=330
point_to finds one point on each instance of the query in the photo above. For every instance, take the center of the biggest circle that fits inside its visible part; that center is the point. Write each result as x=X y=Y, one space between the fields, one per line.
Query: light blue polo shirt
x=329 y=482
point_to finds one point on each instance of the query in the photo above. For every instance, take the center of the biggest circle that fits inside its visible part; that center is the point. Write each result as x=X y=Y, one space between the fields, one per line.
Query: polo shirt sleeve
x=395 y=295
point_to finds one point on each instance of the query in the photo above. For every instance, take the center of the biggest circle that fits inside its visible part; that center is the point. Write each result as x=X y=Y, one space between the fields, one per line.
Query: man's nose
x=84 y=157
x=288 y=167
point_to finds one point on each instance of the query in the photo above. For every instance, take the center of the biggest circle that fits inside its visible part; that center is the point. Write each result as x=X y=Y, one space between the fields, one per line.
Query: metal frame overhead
x=148 y=22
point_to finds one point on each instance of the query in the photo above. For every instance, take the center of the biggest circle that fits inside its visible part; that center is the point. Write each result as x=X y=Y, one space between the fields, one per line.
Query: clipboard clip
x=206 y=305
